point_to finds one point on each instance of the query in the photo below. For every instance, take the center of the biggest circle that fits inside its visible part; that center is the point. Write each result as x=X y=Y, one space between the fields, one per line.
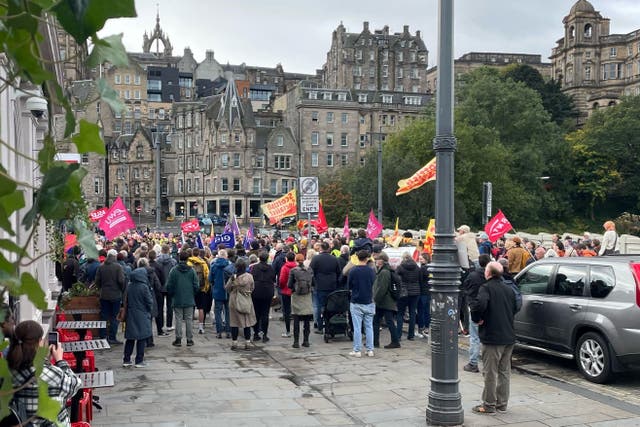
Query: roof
x=582 y=6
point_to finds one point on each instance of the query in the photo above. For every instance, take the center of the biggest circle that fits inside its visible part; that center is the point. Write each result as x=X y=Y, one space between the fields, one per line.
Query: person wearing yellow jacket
x=203 y=297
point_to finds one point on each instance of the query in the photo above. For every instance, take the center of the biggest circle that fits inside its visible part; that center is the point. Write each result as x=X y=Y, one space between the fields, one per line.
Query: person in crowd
x=385 y=303
x=301 y=282
x=609 y=244
x=264 y=279
x=362 y=242
x=423 y=317
x=154 y=287
x=484 y=245
x=285 y=292
x=362 y=307
x=326 y=271
x=182 y=287
x=139 y=302
x=241 y=282
x=221 y=270
x=471 y=286
x=584 y=250
x=494 y=310
x=517 y=255
x=343 y=260
x=166 y=262
x=159 y=293
x=110 y=279
x=61 y=382
x=203 y=297
x=469 y=239
x=411 y=277
x=88 y=271
x=71 y=268
x=540 y=252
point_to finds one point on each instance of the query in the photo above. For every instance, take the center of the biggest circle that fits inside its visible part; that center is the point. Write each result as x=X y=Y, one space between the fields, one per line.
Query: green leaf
x=60 y=190
x=48 y=408
x=7 y=185
x=110 y=96
x=12 y=202
x=47 y=154
x=6 y=385
x=86 y=239
x=23 y=48
x=88 y=139
x=23 y=18
x=108 y=49
x=4 y=222
x=6 y=268
x=70 y=120
x=30 y=287
x=84 y=18
x=10 y=246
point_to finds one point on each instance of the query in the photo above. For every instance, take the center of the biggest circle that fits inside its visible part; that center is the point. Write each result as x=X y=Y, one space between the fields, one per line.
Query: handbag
x=122 y=313
x=243 y=302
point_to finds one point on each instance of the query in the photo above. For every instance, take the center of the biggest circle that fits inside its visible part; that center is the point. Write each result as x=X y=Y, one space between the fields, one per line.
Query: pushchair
x=336 y=315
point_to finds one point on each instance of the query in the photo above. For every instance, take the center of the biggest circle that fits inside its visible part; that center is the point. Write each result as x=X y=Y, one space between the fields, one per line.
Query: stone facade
x=595 y=67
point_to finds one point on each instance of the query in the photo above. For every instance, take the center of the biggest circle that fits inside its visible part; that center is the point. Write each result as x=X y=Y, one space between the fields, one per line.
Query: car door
x=533 y=284
x=565 y=305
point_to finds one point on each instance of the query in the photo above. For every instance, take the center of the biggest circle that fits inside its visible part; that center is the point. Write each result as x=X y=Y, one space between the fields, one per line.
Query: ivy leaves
x=84 y=18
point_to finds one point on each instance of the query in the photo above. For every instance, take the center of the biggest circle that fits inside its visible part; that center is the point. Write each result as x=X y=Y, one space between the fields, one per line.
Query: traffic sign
x=309 y=186
x=309 y=204
x=138 y=208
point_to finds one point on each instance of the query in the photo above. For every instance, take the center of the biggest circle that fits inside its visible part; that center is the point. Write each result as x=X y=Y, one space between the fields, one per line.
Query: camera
x=37 y=105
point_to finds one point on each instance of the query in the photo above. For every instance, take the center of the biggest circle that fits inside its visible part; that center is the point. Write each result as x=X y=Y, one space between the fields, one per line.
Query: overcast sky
x=297 y=33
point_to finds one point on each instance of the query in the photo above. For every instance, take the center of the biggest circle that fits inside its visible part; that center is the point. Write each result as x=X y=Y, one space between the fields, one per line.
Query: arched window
x=612 y=103
x=596 y=106
x=588 y=30
x=572 y=32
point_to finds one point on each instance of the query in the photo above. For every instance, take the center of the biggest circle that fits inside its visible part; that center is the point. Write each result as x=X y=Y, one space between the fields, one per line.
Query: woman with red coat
x=285 y=292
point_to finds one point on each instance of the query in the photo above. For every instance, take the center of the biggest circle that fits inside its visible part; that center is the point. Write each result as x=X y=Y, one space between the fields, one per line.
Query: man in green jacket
x=182 y=287
x=385 y=303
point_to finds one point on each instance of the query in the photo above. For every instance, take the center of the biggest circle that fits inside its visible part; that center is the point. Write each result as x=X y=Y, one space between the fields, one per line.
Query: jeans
x=496 y=369
x=389 y=319
x=320 y=299
x=217 y=312
x=108 y=311
x=184 y=314
x=474 y=343
x=412 y=303
x=306 y=319
x=261 y=306
x=128 y=349
x=362 y=313
x=169 y=302
x=160 y=296
x=424 y=316
x=286 y=311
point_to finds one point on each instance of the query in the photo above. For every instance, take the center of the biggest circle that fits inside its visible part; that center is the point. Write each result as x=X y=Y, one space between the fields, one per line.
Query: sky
x=297 y=33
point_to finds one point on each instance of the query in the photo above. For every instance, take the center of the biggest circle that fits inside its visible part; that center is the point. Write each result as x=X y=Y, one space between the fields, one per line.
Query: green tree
x=58 y=194
x=335 y=202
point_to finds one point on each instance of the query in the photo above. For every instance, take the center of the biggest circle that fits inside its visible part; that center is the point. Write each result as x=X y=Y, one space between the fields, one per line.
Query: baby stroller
x=336 y=315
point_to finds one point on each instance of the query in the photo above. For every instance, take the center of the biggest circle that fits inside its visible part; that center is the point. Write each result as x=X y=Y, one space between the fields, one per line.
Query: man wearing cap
x=111 y=282
x=484 y=247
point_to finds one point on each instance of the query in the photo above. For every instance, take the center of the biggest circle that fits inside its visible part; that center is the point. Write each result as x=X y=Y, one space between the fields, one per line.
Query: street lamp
x=445 y=403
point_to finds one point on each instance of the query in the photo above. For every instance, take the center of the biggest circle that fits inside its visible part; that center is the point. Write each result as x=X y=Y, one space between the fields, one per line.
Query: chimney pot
x=366 y=26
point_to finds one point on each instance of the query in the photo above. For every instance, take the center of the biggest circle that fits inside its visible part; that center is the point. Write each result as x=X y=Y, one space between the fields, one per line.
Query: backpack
x=516 y=291
x=394 y=286
x=304 y=278
x=199 y=269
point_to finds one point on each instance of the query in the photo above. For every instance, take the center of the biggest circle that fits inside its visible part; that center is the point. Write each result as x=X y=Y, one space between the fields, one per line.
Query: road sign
x=309 y=204
x=309 y=186
x=138 y=208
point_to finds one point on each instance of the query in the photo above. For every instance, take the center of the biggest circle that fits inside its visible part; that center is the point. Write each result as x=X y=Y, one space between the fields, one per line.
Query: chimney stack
x=365 y=26
x=385 y=30
x=406 y=29
x=418 y=34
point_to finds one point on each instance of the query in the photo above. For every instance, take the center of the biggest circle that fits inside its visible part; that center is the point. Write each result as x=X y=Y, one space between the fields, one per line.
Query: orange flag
x=423 y=175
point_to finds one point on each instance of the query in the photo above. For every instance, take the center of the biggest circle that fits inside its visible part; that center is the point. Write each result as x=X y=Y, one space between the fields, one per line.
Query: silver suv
x=587 y=309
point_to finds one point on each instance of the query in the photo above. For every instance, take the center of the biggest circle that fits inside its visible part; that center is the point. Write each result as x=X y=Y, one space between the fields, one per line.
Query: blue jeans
x=217 y=312
x=320 y=299
x=424 y=317
x=108 y=312
x=362 y=313
x=128 y=349
x=474 y=343
x=410 y=302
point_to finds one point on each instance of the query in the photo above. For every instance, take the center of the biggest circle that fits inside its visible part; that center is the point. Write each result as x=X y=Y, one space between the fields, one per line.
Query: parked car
x=586 y=309
x=217 y=219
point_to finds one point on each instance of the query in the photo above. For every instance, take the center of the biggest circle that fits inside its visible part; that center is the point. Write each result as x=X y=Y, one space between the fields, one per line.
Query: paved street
x=208 y=384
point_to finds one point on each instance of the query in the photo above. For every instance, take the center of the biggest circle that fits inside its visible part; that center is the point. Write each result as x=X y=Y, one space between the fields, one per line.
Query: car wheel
x=593 y=358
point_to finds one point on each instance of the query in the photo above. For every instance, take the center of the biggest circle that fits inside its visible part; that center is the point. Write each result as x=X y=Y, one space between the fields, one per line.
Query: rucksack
x=199 y=269
x=304 y=278
x=394 y=285
x=516 y=291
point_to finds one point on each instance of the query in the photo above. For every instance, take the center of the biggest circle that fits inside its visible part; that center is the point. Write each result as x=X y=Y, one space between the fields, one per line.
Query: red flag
x=423 y=175
x=70 y=240
x=345 y=230
x=320 y=224
x=497 y=227
x=374 y=227
x=117 y=220
x=97 y=215
x=190 y=226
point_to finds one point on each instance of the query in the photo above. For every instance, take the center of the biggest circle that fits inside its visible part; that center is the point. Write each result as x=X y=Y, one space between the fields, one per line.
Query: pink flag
x=345 y=230
x=190 y=226
x=117 y=220
x=97 y=215
x=374 y=228
x=497 y=227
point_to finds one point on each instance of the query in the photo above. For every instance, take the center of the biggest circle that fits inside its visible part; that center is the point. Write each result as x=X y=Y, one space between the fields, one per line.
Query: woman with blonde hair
x=609 y=244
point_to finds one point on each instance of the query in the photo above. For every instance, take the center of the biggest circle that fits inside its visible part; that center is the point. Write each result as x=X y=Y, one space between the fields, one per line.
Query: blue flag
x=199 y=241
x=227 y=239
x=234 y=226
x=249 y=238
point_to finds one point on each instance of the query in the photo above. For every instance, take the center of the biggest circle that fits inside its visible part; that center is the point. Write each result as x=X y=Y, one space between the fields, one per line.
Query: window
x=587 y=54
x=189 y=185
x=189 y=140
x=273 y=187
x=587 y=72
x=136 y=173
x=611 y=71
x=400 y=73
x=236 y=137
x=342 y=96
x=570 y=280
x=535 y=280
x=223 y=138
x=181 y=163
x=280 y=141
x=400 y=88
x=236 y=184
x=372 y=55
x=329 y=139
x=180 y=142
x=363 y=141
x=357 y=71
x=115 y=188
x=363 y=161
x=313 y=95
x=136 y=79
x=127 y=79
x=314 y=116
x=326 y=96
x=285 y=185
x=363 y=119
x=362 y=97
x=345 y=118
x=358 y=54
x=385 y=55
x=385 y=71
x=117 y=79
x=602 y=281
x=372 y=72
x=383 y=119
x=139 y=151
x=400 y=56
x=180 y=185
x=260 y=161
x=256 y=186
x=282 y=162
x=344 y=139
x=224 y=160
x=412 y=100
x=126 y=94
x=190 y=162
x=236 y=160
x=329 y=117
x=613 y=52
x=224 y=184
x=147 y=188
x=344 y=159
x=387 y=99
x=412 y=56
x=314 y=138
x=136 y=94
x=330 y=159
x=414 y=73
x=97 y=185
x=85 y=159
x=146 y=173
x=314 y=160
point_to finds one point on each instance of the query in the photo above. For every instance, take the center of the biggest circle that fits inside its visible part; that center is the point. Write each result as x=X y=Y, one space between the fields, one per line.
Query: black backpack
x=303 y=281
x=394 y=286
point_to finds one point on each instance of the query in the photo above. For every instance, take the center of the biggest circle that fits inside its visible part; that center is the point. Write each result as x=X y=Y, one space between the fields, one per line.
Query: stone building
x=376 y=60
x=595 y=67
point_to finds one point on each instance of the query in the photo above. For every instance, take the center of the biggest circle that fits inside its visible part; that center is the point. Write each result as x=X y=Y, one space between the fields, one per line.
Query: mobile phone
x=53 y=338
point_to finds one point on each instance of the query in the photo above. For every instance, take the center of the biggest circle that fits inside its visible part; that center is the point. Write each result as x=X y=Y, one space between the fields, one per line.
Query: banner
x=374 y=227
x=116 y=221
x=423 y=175
x=70 y=240
x=190 y=226
x=430 y=237
x=345 y=230
x=97 y=215
x=281 y=208
x=226 y=239
x=497 y=227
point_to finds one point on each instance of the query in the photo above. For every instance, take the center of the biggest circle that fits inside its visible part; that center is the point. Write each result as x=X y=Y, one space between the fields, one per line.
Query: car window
x=602 y=281
x=570 y=280
x=535 y=280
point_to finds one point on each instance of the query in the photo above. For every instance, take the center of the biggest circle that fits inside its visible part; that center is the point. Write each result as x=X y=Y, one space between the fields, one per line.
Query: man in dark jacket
x=160 y=294
x=326 y=271
x=493 y=310
x=264 y=279
x=220 y=271
x=182 y=286
x=385 y=304
x=167 y=262
x=71 y=269
x=470 y=287
x=411 y=276
x=111 y=282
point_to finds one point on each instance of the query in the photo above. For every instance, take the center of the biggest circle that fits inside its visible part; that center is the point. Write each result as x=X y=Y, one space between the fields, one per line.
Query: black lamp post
x=445 y=403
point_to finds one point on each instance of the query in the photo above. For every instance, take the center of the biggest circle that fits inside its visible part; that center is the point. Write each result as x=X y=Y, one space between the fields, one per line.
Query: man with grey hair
x=110 y=279
x=493 y=310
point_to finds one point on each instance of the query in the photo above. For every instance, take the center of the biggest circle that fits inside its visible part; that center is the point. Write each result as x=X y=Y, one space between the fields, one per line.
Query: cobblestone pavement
x=275 y=385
